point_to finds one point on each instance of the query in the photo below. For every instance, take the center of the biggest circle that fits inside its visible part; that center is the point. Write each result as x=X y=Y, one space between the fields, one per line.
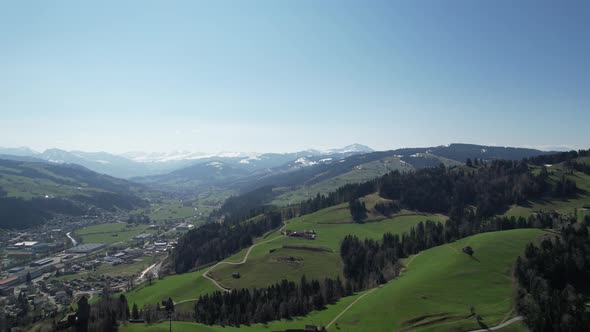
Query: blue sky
x=290 y=75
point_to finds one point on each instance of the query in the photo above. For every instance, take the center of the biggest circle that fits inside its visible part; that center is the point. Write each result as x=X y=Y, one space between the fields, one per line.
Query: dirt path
x=367 y=293
x=499 y=326
x=206 y=274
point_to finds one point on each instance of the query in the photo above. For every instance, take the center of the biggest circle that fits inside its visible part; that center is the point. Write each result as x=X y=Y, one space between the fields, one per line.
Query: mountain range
x=75 y=181
x=140 y=164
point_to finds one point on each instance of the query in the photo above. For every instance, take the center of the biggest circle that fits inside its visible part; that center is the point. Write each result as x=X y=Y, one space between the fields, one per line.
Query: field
x=284 y=263
x=566 y=206
x=361 y=173
x=439 y=287
x=331 y=225
x=435 y=293
x=179 y=287
x=121 y=270
x=316 y=317
x=110 y=233
x=27 y=187
x=291 y=258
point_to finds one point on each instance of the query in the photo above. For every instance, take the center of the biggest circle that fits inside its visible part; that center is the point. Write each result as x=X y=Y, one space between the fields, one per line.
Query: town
x=45 y=270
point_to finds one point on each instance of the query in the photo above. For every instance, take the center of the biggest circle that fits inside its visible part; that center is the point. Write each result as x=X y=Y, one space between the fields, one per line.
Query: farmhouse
x=307 y=234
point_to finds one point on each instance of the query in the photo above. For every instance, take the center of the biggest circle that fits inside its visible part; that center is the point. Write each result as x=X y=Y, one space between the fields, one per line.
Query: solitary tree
x=468 y=162
x=135 y=312
x=468 y=250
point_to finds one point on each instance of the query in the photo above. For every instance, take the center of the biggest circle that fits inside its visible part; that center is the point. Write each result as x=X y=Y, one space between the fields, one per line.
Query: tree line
x=216 y=241
x=553 y=281
x=368 y=263
x=283 y=300
x=556 y=158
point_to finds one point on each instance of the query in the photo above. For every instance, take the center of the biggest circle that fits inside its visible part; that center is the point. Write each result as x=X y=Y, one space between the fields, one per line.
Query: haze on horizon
x=281 y=76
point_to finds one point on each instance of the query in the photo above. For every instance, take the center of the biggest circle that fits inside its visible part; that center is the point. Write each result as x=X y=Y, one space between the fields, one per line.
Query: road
x=74 y=242
x=502 y=325
x=155 y=267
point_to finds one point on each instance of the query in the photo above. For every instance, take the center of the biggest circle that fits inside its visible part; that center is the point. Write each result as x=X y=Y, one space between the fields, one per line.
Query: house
x=236 y=275
x=184 y=227
x=142 y=236
x=307 y=234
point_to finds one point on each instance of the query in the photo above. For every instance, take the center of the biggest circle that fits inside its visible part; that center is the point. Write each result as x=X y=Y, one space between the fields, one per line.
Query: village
x=45 y=270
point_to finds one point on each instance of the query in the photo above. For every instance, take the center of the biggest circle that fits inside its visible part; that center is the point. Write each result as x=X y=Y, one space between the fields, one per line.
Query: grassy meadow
x=437 y=290
x=109 y=233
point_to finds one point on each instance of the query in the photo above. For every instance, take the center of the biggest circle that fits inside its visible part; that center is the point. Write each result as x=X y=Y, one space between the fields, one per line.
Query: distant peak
x=356 y=147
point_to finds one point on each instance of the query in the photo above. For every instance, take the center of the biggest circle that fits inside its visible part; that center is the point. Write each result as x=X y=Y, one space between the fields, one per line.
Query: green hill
x=31 y=192
x=571 y=205
x=437 y=290
x=435 y=293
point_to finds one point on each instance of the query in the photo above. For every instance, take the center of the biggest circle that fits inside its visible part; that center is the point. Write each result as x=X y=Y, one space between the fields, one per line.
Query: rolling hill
x=310 y=174
x=31 y=192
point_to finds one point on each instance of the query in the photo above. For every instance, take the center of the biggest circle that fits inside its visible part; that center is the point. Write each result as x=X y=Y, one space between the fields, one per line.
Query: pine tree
x=135 y=312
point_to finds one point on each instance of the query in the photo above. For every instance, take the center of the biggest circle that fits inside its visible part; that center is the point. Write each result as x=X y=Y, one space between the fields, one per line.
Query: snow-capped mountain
x=353 y=148
x=140 y=164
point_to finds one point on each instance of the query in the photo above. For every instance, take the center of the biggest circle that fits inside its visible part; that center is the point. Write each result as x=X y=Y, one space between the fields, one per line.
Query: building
x=16 y=269
x=311 y=235
x=142 y=236
x=41 y=247
x=42 y=262
x=184 y=227
x=25 y=244
x=86 y=248
x=7 y=284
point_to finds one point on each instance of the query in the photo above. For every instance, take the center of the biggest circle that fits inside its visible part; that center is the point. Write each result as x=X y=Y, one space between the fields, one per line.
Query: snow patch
x=304 y=162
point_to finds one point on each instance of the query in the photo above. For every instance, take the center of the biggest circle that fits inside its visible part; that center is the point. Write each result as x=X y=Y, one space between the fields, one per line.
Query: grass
x=440 y=281
x=255 y=272
x=108 y=233
x=179 y=287
x=437 y=290
x=331 y=225
x=569 y=206
x=334 y=223
x=361 y=173
x=288 y=264
x=317 y=318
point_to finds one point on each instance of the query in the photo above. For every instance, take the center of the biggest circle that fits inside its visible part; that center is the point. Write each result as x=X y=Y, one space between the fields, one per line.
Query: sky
x=284 y=76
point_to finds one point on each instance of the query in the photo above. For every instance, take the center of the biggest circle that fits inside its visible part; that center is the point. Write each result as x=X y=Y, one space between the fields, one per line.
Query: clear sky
x=289 y=75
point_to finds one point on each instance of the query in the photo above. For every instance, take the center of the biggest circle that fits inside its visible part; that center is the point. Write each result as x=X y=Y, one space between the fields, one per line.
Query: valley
x=425 y=295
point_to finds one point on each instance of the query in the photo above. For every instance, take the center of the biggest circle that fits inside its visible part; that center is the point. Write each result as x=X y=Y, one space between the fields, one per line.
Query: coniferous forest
x=553 y=281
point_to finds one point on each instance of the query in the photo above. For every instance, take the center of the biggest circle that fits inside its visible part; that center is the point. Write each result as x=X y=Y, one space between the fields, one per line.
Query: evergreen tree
x=135 y=312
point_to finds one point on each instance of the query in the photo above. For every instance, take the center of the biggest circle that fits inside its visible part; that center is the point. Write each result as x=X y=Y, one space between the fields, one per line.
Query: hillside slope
x=31 y=192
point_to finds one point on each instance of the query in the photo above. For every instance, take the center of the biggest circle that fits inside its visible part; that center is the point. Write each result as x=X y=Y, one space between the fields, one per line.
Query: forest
x=216 y=241
x=369 y=263
x=285 y=299
x=553 y=281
